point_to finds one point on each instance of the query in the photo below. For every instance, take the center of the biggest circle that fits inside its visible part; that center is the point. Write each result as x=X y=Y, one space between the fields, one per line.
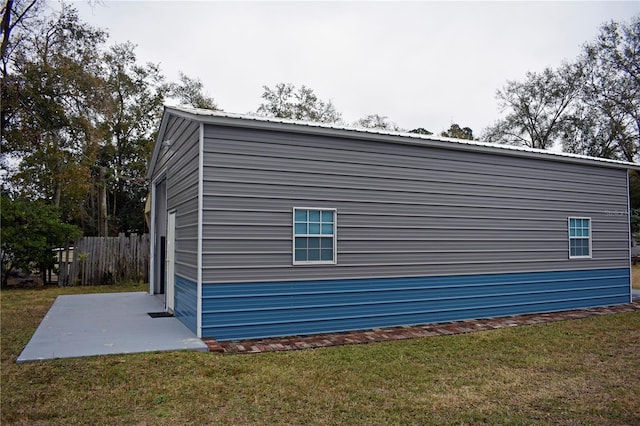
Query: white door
x=170 y=260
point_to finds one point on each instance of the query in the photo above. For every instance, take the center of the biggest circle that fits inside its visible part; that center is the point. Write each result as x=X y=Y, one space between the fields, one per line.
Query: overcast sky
x=422 y=64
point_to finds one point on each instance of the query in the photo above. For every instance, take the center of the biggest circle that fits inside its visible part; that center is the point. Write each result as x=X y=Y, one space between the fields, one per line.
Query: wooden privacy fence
x=104 y=260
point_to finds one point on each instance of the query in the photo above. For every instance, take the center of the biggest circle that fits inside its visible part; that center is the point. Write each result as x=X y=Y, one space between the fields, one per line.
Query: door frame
x=158 y=232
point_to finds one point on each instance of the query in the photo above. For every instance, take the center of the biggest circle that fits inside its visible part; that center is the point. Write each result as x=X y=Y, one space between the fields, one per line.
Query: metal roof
x=326 y=129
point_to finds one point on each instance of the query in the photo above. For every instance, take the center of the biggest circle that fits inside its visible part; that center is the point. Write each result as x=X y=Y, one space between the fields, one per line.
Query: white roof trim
x=226 y=118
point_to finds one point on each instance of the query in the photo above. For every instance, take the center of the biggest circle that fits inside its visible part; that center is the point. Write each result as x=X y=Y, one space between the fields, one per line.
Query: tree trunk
x=43 y=273
x=6 y=30
x=102 y=204
x=57 y=195
x=4 y=283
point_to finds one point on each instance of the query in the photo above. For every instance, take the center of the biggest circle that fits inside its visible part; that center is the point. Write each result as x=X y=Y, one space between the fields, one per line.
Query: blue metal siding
x=186 y=294
x=254 y=310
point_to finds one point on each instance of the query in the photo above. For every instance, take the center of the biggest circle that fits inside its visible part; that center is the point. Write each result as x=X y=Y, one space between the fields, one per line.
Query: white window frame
x=334 y=236
x=580 y=238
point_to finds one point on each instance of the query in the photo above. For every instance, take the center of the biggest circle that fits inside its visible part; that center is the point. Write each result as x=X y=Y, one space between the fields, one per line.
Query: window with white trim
x=314 y=236
x=579 y=237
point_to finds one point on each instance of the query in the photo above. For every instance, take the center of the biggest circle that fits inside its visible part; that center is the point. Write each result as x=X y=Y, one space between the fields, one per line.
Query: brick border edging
x=277 y=344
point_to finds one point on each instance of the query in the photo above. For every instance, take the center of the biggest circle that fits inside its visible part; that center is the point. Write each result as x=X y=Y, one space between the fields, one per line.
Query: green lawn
x=573 y=372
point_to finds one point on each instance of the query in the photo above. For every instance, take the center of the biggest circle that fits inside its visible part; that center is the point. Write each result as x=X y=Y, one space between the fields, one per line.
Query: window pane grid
x=579 y=237
x=314 y=231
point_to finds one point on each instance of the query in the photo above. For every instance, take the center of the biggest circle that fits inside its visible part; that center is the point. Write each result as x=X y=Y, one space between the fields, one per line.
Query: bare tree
x=590 y=106
x=535 y=108
x=376 y=121
x=606 y=118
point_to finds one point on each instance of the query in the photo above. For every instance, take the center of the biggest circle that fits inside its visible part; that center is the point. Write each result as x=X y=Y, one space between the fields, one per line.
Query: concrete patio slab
x=103 y=324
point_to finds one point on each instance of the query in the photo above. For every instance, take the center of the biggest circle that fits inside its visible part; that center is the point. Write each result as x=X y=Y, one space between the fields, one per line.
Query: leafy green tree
x=376 y=121
x=54 y=72
x=421 y=131
x=190 y=91
x=30 y=231
x=16 y=14
x=455 y=131
x=80 y=121
x=283 y=101
x=133 y=96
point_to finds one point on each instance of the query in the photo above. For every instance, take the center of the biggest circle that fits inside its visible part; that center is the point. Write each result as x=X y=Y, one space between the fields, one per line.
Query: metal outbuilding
x=266 y=227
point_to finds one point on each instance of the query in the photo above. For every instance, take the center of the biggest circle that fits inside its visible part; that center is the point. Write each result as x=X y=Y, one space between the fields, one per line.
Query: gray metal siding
x=180 y=162
x=403 y=210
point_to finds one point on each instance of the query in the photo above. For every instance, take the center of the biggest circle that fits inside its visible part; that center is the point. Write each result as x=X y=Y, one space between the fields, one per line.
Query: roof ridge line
x=403 y=134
